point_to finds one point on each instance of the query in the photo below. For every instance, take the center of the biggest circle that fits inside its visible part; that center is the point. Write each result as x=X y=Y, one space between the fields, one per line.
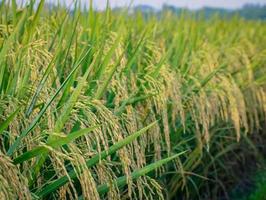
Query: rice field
x=114 y=105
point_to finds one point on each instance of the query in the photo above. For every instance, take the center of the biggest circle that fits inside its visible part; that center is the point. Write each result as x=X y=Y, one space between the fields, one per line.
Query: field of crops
x=115 y=105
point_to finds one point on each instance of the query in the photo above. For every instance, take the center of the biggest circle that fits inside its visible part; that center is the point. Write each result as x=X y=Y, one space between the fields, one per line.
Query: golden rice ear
x=13 y=184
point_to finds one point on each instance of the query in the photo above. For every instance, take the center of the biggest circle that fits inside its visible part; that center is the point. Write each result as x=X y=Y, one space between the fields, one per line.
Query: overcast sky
x=193 y=4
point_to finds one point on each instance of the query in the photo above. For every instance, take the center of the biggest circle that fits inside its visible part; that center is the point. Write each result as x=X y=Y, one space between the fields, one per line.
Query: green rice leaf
x=54 y=144
x=6 y=123
x=122 y=181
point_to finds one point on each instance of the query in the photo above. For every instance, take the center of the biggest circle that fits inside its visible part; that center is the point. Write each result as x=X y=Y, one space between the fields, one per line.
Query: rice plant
x=114 y=105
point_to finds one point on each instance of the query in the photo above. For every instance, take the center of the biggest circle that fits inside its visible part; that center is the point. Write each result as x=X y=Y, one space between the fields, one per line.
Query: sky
x=192 y=4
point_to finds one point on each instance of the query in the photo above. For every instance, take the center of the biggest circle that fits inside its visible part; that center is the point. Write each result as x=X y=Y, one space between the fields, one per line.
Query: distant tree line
x=248 y=11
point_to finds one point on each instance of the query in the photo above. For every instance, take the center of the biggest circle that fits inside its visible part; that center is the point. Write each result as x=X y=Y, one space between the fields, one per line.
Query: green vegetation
x=248 y=11
x=112 y=105
x=260 y=191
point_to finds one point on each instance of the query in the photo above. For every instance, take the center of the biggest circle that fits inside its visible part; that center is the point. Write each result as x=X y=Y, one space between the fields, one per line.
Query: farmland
x=115 y=105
